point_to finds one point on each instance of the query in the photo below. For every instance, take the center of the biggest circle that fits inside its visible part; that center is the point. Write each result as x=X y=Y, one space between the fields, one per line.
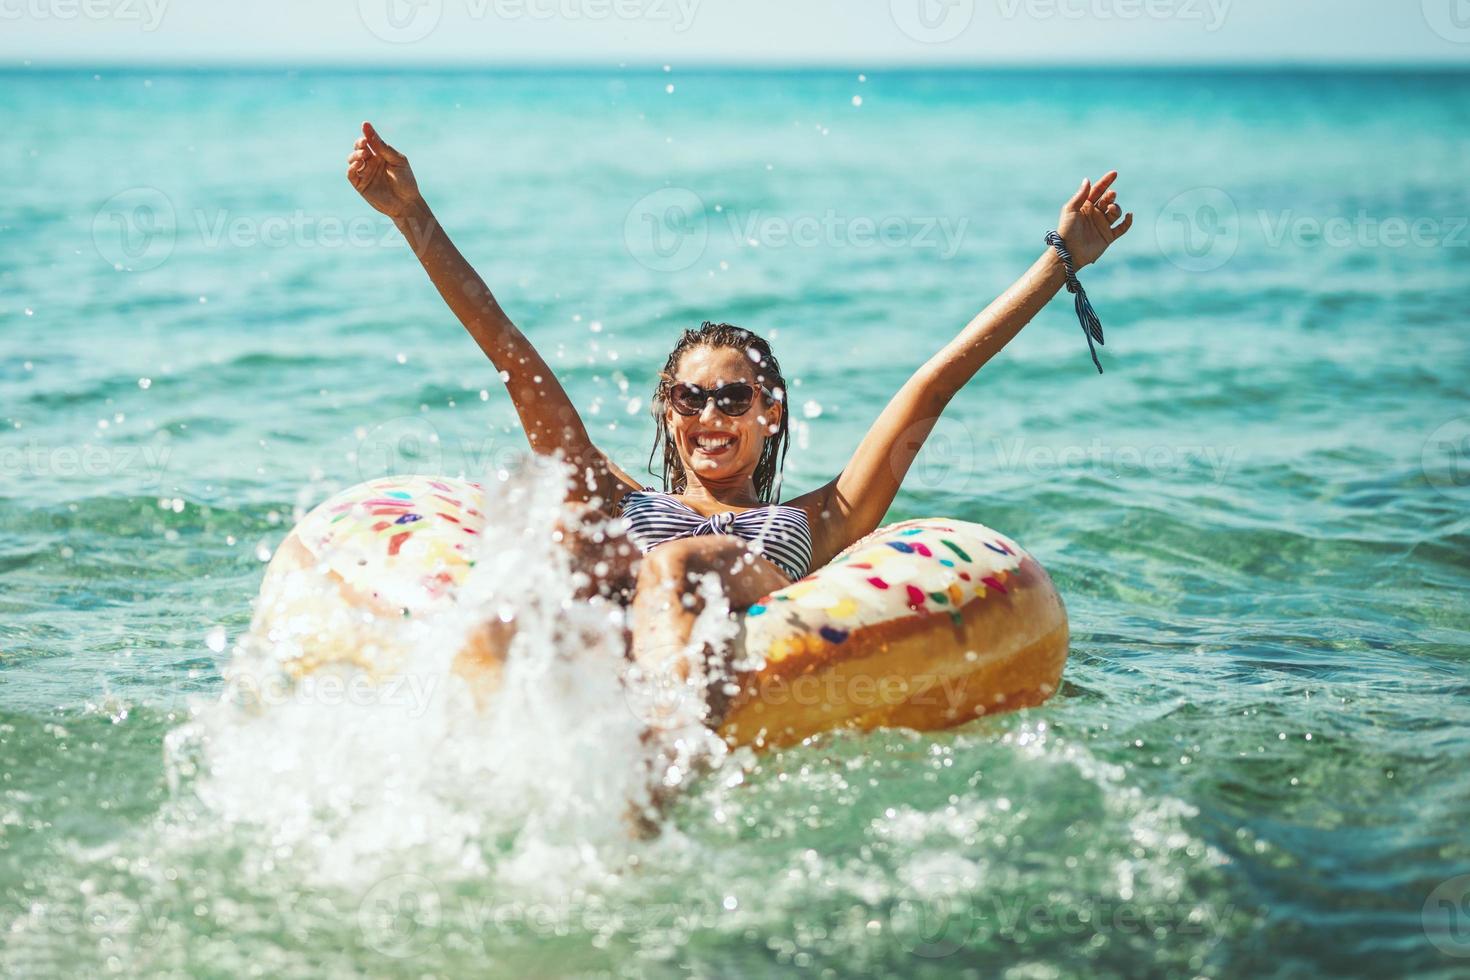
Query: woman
x=720 y=408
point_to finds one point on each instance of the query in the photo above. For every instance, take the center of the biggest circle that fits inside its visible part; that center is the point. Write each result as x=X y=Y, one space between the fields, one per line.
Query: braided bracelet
x=1091 y=325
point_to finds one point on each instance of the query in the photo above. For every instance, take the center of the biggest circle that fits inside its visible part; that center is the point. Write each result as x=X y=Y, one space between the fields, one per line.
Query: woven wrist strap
x=1091 y=325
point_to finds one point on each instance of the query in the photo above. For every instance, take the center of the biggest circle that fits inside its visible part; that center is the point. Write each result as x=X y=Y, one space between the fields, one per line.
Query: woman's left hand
x=1089 y=222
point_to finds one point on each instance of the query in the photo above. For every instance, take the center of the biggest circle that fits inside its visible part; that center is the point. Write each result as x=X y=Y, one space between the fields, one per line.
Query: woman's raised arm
x=383 y=177
x=858 y=498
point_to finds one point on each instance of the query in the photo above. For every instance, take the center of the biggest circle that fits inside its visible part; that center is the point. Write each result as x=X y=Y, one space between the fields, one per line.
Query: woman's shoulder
x=630 y=496
x=823 y=521
x=813 y=503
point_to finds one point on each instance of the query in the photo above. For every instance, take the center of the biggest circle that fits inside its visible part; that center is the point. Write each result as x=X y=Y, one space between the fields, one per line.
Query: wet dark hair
x=768 y=376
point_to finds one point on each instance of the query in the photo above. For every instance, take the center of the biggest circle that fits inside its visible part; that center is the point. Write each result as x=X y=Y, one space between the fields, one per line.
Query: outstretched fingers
x=1100 y=188
x=1122 y=229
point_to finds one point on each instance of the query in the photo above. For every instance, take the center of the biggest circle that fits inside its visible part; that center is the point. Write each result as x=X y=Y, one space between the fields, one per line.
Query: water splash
x=540 y=781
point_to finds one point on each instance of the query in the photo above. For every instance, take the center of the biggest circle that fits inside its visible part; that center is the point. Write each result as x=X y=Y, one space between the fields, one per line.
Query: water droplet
x=145 y=383
x=811 y=409
x=215 y=639
x=857 y=100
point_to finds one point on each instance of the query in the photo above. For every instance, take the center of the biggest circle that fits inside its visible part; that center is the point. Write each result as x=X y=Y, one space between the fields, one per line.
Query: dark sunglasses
x=733 y=399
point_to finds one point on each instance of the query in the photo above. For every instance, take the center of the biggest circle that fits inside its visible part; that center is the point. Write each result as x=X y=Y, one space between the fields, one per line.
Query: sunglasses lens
x=734 y=399
x=686 y=399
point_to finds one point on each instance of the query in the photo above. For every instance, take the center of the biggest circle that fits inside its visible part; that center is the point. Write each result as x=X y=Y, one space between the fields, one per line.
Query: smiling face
x=712 y=445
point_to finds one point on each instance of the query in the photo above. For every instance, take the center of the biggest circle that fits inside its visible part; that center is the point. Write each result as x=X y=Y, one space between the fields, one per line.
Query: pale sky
x=851 y=33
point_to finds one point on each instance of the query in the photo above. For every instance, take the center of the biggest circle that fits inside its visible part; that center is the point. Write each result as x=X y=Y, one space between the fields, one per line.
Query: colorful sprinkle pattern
x=408 y=539
x=916 y=568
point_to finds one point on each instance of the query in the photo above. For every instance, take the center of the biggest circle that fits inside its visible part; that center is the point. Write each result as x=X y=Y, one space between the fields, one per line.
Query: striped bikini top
x=780 y=533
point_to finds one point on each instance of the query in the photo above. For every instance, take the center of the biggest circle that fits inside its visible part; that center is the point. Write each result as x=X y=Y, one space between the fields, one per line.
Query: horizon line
x=707 y=66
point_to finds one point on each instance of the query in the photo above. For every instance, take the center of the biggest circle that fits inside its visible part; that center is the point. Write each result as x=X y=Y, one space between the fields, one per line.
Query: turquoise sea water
x=1258 y=517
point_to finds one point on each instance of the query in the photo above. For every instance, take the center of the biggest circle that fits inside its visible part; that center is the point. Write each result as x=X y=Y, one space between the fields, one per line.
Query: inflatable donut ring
x=924 y=624
x=365 y=571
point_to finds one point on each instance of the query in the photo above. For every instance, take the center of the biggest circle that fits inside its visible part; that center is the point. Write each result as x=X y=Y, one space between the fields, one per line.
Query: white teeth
x=713 y=442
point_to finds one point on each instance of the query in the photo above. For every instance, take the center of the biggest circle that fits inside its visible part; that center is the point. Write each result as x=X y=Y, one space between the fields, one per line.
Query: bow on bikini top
x=780 y=533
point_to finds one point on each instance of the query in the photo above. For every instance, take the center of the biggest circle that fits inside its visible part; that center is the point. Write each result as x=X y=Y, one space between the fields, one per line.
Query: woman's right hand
x=382 y=175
